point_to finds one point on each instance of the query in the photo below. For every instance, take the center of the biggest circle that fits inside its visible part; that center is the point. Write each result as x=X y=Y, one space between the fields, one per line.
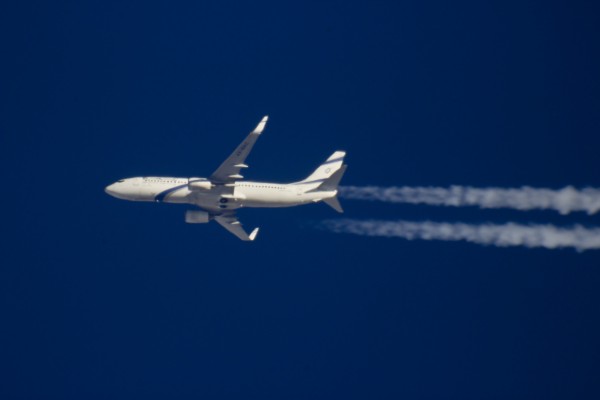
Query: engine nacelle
x=196 y=217
x=199 y=184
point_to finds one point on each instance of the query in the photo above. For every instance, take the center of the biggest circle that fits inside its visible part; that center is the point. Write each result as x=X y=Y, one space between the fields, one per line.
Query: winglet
x=231 y=223
x=261 y=125
x=253 y=234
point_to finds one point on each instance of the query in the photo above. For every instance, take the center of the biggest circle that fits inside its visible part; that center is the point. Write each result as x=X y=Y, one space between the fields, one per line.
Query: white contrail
x=504 y=235
x=563 y=200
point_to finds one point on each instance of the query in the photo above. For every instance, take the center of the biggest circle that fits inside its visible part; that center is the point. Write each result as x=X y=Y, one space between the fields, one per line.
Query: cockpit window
x=122 y=180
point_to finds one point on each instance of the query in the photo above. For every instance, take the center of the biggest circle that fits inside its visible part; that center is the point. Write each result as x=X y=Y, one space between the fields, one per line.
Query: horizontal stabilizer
x=334 y=203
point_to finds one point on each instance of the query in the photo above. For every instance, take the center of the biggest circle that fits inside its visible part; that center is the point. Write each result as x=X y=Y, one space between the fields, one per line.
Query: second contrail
x=501 y=235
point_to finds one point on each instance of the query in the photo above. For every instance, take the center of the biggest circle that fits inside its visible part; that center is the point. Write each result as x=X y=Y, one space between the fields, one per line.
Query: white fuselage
x=217 y=198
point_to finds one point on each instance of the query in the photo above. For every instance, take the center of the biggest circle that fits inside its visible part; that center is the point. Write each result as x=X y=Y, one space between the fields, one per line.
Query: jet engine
x=196 y=217
x=196 y=184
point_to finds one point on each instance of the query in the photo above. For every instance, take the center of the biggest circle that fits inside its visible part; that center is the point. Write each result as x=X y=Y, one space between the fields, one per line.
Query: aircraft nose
x=110 y=189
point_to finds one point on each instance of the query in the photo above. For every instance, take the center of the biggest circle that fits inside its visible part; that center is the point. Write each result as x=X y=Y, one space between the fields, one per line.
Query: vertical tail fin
x=333 y=181
x=327 y=169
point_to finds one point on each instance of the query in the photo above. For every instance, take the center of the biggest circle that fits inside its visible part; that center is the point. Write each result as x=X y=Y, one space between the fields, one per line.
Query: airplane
x=224 y=192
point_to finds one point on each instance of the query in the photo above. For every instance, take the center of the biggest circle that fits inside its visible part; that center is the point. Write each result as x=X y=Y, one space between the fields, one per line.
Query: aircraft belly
x=266 y=198
x=203 y=199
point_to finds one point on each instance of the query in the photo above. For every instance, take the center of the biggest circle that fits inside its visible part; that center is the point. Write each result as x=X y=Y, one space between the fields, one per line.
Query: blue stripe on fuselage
x=161 y=196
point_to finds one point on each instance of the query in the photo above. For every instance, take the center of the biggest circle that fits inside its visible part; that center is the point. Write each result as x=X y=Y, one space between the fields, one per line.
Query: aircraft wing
x=231 y=223
x=229 y=171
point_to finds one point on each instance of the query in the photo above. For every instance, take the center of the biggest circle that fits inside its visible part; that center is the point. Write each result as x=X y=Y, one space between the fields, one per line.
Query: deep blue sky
x=101 y=298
